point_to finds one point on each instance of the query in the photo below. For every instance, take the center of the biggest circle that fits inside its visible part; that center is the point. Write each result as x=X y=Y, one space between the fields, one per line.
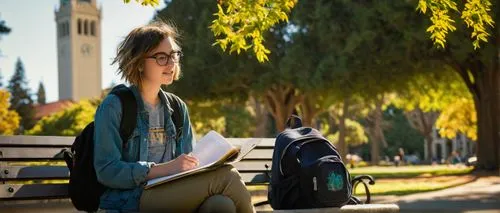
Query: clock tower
x=78 y=24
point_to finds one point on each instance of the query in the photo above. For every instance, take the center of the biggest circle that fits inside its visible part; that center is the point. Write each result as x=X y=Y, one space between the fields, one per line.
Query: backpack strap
x=129 y=111
x=293 y=122
x=177 y=118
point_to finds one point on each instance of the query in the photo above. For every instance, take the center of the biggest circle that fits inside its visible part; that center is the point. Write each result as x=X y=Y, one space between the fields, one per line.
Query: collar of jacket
x=140 y=103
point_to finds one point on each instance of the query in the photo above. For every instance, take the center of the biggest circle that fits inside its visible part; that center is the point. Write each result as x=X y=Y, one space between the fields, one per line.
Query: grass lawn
x=410 y=171
x=407 y=179
x=404 y=186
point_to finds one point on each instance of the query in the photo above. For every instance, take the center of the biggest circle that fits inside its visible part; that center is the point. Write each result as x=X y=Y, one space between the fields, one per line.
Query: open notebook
x=212 y=151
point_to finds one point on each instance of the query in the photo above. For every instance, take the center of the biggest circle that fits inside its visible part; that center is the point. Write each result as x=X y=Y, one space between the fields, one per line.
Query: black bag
x=307 y=171
x=84 y=189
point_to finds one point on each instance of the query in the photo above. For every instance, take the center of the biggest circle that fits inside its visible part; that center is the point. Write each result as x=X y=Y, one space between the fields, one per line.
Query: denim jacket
x=123 y=169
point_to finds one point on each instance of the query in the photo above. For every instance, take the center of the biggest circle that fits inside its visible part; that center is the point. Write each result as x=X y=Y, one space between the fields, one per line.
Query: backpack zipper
x=315 y=184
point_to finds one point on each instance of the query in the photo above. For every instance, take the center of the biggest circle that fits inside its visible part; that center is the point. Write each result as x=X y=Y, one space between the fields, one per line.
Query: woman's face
x=156 y=69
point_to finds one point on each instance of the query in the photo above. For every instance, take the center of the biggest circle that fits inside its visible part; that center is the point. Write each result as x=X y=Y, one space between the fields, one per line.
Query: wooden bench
x=32 y=173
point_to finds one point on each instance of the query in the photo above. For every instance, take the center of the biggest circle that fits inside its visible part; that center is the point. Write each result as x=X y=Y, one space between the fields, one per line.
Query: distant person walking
x=399 y=158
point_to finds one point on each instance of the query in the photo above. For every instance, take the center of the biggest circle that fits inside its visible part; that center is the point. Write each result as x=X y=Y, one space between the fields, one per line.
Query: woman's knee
x=217 y=203
x=229 y=173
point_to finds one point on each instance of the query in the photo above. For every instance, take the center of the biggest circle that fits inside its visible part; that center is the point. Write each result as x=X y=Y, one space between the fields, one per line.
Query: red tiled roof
x=50 y=108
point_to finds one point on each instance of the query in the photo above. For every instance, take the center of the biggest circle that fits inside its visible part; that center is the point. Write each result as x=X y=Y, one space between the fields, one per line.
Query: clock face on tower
x=86 y=49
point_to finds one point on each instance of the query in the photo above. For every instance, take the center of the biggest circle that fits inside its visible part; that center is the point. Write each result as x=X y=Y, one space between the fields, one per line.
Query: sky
x=33 y=39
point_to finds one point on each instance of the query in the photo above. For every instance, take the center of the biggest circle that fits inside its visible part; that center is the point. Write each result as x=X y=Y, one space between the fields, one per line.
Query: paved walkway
x=481 y=195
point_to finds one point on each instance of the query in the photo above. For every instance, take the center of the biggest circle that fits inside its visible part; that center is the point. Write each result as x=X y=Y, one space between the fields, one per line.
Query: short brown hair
x=140 y=41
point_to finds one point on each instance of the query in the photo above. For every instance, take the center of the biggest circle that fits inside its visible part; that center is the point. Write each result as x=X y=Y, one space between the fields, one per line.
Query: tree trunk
x=307 y=111
x=423 y=123
x=496 y=82
x=427 y=124
x=483 y=84
x=375 y=130
x=487 y=114
x=261 y=118
x=280 y=102
x=377 y=133
x=428 y=142
x=343 y=148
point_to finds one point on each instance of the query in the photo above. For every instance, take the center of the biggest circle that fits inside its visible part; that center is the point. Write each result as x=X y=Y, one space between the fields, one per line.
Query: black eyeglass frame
x=170 y=56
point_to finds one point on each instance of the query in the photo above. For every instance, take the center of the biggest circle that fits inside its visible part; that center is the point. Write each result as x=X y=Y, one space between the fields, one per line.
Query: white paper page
x=208 y=150
x=211 y=148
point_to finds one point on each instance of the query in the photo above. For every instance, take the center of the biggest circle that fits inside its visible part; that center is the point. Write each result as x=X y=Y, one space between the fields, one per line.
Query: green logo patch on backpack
x=335 y=182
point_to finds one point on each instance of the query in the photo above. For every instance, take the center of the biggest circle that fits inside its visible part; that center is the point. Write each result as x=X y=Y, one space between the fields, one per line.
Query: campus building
x=442 y=148
x=78 y=24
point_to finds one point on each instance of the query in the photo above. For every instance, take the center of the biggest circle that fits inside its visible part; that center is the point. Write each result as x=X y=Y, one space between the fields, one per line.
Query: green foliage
x=69 y=122
x=239 y=121
x=475 y=14
x=40 y=94
x=21 y=100
x=401 y=134
x=9 y=119
x=444 y=92
x=432 y=90
x=240 y=20
x=355 y=134
x=229 y=119
x=206 y=116
x=241 y=25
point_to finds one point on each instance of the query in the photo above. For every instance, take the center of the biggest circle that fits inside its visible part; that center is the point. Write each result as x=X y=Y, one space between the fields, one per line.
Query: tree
x=41 y=94
x=426 y=95
x=69 y=122
x=20 y=100
x=227 y=76
x=9 y=119
x=4 y=29
x=355 y=134
x=401 y=134
x=478 y=67
x=424 y=123
x=375 y=125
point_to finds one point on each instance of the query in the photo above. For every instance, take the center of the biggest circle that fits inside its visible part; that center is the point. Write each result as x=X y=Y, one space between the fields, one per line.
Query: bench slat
x=260 y=154
x=61 y=172
x=29 y=153
x=250 y=165
x=33 y=191
x=21 y=140
x=251 y=169
x=34 y=172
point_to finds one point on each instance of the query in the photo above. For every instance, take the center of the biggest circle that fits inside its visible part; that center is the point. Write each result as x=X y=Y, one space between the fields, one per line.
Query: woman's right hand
x=184 y=162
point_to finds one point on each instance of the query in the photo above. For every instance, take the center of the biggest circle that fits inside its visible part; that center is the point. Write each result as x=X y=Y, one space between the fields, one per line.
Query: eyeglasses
x=163 y=58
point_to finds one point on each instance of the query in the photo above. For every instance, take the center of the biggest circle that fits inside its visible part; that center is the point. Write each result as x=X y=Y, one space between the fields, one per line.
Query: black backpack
x=307 y=171
x=84 y=189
